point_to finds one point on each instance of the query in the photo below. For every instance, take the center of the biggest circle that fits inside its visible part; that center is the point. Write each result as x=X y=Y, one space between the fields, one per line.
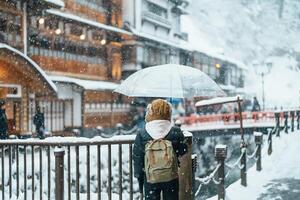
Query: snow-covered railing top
x=72 y=17
x=74 y=141
x=218 y=100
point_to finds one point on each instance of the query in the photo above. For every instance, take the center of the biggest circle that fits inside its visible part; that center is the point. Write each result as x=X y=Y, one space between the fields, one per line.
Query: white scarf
x=158 y=129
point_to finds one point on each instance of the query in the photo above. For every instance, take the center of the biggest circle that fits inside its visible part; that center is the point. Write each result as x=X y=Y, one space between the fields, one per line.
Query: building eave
x=86 y=84
x=73 y=17
x=35 y=66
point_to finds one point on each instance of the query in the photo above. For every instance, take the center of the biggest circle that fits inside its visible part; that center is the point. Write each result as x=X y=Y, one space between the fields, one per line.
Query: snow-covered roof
x=56 y=2
x=227 y=87
x=160 y=40
x=188 y=47
x=218 y=100
x=229 y=59
x=199 y=41
x=34 y=65
x=86 y=84
x=77 y=18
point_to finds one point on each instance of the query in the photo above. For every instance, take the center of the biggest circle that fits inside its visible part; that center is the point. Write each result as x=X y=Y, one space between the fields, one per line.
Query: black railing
x=218 y=175
x=72 y=168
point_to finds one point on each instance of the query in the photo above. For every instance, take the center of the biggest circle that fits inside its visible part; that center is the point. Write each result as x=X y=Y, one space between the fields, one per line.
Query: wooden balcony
x=63 y=63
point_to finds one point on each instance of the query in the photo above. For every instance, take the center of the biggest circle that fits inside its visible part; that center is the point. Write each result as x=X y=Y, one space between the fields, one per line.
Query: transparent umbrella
x=170 y=81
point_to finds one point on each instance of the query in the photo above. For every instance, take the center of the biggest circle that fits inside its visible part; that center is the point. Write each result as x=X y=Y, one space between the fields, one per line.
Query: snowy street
x=280 y=175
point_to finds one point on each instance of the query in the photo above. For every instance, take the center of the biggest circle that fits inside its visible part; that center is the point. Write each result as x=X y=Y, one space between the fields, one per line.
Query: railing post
x=76 y=132
x=244 y=165
x=298 y=119
x=270 y=142
x=286 y=125
x=221 y=154
x=185 y=171
x=277 y=119
x=59 y=173
x=292 y=113
x=119 y=127
x=99 y=130
x=258 y=136
x=194 y=168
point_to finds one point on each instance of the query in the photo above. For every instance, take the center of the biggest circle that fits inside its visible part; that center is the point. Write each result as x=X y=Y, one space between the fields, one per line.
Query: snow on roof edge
x=56 y=2
x=189 y=47
x=86 y=84
x=86 y=21
x=35 y=65
x=154 y=38
x=218 y=100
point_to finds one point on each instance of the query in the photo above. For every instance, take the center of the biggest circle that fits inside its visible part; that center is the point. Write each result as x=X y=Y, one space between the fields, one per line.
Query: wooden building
x=76 y=46
x=23 y=83
x=69 y=55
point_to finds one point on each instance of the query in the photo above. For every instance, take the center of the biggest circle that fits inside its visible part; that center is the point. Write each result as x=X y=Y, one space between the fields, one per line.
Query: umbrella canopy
x=169 y=81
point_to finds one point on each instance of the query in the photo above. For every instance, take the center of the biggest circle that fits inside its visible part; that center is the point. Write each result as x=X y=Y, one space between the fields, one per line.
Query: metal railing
x=252 y=117
x=218 y=175
x=73 y=168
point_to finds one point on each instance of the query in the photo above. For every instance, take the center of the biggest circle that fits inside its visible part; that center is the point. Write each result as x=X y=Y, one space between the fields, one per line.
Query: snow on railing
x=206 y=180
x=90 y=168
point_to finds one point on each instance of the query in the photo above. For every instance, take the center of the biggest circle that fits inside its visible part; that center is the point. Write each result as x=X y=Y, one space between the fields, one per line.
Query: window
x=51 y=24
x=76 y=30
x=10 y=23
x=155 y=56
x=3 y=24
x=155 y=9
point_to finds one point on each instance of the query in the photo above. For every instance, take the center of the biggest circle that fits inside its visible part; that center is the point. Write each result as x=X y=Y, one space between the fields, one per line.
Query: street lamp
x=262 y=69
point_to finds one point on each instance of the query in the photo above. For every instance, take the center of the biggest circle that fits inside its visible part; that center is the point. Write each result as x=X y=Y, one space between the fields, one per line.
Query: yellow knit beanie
x=159 y=109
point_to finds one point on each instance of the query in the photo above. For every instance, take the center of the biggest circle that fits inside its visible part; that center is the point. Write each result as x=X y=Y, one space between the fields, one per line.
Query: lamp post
x=262 y=70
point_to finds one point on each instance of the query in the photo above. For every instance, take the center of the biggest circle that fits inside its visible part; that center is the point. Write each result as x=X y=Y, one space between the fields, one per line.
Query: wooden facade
x=63 y=47
x=59 y=66
x=23 y=83
x=110 y=110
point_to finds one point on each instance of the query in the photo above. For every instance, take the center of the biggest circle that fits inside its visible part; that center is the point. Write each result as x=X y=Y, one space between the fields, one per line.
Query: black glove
x=141 y=184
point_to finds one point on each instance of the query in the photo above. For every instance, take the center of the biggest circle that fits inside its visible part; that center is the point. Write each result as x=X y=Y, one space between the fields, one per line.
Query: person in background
x=3 y=121
x=139 y=117
x=255 y=105
x=39 y=122
x=190 y=108
x=236 y=114
x=156 y=152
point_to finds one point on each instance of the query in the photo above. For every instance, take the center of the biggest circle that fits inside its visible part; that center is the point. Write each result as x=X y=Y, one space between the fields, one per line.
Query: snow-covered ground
x=279 y=177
